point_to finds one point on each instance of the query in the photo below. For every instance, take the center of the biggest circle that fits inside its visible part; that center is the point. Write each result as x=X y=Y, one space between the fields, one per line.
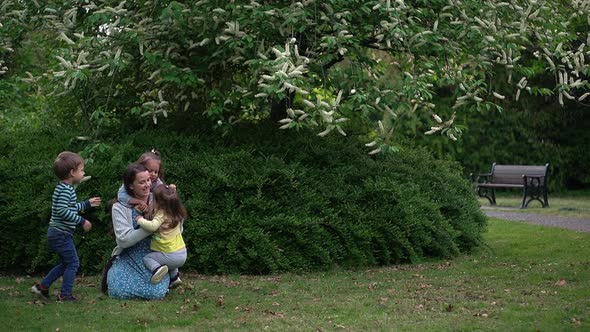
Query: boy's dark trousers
x=62 y=243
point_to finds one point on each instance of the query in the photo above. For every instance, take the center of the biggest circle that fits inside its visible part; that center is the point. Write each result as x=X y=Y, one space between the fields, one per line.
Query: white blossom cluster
x=233 y=60
x=10 y=17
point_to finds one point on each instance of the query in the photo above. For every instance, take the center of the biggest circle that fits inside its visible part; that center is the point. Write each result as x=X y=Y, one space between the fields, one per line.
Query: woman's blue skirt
x=128 y=278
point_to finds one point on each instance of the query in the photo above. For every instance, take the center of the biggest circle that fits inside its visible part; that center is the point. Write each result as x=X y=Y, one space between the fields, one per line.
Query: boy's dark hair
x=167 y=200
x=130 y=174
x=152 y=155
x=66 y=162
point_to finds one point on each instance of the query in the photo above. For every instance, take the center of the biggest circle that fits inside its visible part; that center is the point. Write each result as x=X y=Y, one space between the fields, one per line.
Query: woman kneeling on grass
x=125 y=275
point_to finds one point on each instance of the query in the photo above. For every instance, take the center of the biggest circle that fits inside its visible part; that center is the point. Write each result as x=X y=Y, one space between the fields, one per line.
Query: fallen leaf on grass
x=142 y=322
x=36 y=302
x=275 y=313
x=424 y=286
x=484 y=315
x=576 y=321
x=272 y=279
x=182 y=310
x=561 y=282
x=443 y=266
x=232 y=283
x=221 y=301
x=244 y=309
x=19 y=280
x=180 y=290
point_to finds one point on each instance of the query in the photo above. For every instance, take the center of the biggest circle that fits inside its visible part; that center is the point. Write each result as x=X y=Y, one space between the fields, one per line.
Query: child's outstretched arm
x=126 y=199
x=151 y=225
x=123 y=196
x=95 y=201
x=125 y=234
x=83 y=206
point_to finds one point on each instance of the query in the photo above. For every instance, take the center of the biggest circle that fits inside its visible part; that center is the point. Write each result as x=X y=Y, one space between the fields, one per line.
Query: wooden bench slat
x=519 y=167
x=500 y=185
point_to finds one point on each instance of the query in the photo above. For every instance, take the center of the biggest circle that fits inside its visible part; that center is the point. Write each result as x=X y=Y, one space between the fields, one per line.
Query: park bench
x=533 y=180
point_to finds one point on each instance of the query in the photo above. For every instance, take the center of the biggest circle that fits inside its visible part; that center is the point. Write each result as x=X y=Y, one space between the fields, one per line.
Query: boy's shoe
x=159 y=273
x=36 y=289
x=175 y=282
x=66 y=298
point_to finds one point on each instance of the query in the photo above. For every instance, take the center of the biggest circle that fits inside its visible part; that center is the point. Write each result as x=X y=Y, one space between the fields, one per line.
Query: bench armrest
x=533 y=181
x=480 y=178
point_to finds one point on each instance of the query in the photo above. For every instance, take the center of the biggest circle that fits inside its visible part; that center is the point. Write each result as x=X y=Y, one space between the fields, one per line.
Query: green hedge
x=263 y=201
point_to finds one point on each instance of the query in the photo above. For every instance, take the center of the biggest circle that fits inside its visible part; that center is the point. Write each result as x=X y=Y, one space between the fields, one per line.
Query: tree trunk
x=278 y=109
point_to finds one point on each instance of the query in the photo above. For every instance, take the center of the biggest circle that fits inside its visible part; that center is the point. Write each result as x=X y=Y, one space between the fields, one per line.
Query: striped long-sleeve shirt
x=65 y=208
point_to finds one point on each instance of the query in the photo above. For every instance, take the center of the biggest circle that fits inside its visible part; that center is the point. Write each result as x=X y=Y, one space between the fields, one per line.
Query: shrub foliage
x=263 y=202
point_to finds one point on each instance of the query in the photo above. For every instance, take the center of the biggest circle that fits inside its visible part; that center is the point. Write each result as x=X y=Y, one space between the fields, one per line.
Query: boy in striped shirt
x=69 y=168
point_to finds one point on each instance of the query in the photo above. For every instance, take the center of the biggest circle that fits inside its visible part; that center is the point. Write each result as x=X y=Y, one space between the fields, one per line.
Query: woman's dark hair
x=166 y=199
x=130 y=174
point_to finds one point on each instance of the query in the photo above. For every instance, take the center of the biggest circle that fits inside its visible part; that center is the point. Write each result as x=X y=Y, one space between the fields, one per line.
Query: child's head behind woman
x=167 y=201
x=153 y=163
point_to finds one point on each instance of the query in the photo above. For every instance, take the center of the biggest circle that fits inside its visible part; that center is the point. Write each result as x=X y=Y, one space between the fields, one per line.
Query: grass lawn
x=570 y=204
x=528 y=278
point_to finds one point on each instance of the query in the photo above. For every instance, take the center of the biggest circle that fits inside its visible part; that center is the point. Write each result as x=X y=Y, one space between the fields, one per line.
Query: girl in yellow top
x=169 y=250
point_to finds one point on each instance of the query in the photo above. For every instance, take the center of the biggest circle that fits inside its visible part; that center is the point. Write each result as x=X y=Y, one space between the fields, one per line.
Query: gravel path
x=577 y=224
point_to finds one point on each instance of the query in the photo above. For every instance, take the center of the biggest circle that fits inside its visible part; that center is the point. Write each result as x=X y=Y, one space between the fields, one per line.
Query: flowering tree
x=321 y=64
x=13 y=24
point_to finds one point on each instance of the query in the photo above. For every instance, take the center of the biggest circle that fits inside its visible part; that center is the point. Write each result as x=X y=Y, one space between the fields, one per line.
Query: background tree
x=317 y=63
